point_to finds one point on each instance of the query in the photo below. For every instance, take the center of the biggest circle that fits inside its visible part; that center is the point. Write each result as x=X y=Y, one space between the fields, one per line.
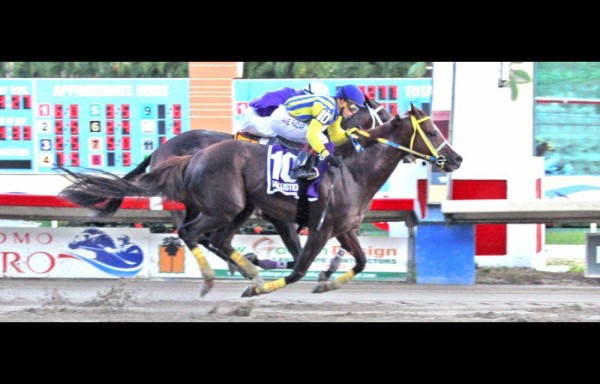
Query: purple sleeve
x=267 y=103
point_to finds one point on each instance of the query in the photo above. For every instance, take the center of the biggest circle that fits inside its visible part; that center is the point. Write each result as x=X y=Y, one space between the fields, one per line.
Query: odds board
x=111 y=124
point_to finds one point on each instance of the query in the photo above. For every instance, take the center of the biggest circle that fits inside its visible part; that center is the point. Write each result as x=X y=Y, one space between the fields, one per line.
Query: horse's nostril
x=458 y=159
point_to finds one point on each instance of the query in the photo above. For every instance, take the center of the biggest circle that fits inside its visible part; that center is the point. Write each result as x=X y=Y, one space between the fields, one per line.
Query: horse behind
x=222 y=181
x=190 y=142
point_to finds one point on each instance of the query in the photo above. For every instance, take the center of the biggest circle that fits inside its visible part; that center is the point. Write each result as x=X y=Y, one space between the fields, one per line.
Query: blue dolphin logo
x=123 y=261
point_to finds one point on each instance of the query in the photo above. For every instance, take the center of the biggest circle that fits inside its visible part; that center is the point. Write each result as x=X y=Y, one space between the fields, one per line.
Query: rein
x=375 y=121
x=434 y=159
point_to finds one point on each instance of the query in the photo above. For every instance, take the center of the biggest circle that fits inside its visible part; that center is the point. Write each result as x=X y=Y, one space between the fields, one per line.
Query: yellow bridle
x=435 y=158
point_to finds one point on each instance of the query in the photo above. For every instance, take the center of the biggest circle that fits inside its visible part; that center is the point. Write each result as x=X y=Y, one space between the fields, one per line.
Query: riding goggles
x=353 y=107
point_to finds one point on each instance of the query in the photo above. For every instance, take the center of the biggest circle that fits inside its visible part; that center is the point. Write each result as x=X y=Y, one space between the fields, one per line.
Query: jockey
x=303 y=119
x=126 y=247
x=255 y=119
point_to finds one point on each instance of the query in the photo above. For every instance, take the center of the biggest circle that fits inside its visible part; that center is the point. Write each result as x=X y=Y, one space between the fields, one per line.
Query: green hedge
x=77 y=69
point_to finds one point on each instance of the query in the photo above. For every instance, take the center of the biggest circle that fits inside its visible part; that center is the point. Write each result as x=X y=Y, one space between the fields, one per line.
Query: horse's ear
x=413 y=109
x=367 y=100
x=397 y=117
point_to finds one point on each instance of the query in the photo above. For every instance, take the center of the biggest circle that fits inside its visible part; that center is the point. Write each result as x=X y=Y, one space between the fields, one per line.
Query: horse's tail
x=98 y=192
x=141 y=168
x=167 y=179
x=112 y=204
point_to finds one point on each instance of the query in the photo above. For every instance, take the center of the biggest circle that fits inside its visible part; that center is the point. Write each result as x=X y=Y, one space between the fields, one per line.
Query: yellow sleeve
x=336 y=132
x=312 y=135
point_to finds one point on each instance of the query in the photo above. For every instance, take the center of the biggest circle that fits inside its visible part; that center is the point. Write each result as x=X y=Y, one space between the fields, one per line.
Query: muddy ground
x=528 y=276
x=499 y=295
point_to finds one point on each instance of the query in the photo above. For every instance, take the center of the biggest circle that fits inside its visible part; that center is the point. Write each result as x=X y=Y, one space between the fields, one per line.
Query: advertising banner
x=74 y=252
x=136 y=253
x=386 y=257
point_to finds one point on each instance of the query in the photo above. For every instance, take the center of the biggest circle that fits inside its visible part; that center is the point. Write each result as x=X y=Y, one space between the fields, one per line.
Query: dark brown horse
x=191 y=142
x=227 y=179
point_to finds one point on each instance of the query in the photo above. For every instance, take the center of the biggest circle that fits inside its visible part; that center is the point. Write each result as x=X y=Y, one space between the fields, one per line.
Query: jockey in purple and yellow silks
x=303 y=119
x=255 y=119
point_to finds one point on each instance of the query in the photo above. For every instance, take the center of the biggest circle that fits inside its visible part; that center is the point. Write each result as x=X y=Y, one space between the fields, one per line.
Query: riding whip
x=322 y=219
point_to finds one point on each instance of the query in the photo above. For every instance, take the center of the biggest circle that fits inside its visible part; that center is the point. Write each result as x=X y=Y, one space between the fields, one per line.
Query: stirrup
x=304 y=174
x=313 y=173
x=298 y=173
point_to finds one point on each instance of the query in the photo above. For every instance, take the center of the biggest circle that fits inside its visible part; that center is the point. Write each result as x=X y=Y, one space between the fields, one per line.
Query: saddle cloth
x=279 y=162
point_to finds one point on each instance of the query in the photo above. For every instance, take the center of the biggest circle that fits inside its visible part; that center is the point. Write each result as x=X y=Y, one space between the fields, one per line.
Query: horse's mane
x=381 y=131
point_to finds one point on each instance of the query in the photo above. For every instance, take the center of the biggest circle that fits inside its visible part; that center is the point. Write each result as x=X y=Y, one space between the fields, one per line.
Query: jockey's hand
x=334 y=161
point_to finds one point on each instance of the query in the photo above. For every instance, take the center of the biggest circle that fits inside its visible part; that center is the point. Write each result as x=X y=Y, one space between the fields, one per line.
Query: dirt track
x=177 y=301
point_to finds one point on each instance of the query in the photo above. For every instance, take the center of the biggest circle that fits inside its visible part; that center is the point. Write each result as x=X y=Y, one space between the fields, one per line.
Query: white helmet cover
x=317 y=88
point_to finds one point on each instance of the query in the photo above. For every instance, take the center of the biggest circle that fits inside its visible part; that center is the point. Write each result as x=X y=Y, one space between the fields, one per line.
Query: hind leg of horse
x=220 y=244
x=180 y=217
x=290 y=238
x=189 y=232
x=314 y=244
x=222 y=241
x=205 y=269
x=205 y=240
x=349 y=241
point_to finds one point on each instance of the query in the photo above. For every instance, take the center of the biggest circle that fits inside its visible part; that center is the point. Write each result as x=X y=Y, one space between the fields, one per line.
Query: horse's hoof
x=206 y=287
x=251 y=257
x=323 y=276
x=249 y=291
x=320 y=288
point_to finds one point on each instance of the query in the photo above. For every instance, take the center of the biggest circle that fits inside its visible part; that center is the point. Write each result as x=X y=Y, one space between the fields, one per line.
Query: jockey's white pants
x=284 y=125
x=256 y=125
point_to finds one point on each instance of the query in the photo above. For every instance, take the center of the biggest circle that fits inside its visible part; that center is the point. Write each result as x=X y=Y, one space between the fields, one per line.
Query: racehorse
x=228 y=178
x=192 y=141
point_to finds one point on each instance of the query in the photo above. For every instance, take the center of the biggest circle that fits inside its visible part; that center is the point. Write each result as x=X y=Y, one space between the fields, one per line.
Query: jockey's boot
x=304 y=167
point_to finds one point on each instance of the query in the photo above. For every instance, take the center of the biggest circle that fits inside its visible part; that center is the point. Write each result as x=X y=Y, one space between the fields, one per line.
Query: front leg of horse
x=314 y=244
x=349 y=241
x=336 y=260
x=325 y=286
x=261 y=289
x=271 y=286
x=334 y=265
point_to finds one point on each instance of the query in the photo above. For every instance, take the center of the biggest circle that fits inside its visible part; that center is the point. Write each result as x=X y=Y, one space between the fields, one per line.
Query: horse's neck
x=347 y=148
x=372 y=168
